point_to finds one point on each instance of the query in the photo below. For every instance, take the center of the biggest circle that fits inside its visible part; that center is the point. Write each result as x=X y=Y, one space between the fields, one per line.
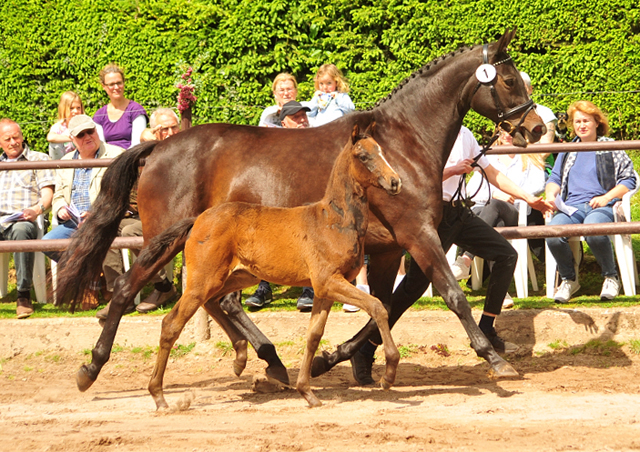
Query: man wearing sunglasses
x=78 y=188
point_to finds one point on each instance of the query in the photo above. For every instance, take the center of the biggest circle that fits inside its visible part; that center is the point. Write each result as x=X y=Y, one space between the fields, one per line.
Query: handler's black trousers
x=462 y=227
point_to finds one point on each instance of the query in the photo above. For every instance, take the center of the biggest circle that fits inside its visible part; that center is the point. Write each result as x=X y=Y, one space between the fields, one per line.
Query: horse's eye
x=363 y=157
x=510 y=82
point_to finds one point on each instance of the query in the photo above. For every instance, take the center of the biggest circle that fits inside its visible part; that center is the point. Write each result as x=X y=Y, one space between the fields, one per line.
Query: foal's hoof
x=238 y=367
x=503 y=370
x=278 y=373
x=384 y=384
x=320 y=365
x=83 y=380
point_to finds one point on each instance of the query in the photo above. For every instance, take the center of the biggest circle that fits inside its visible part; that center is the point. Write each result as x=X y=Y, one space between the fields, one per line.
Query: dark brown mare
x=234 y=245
x=207 y=165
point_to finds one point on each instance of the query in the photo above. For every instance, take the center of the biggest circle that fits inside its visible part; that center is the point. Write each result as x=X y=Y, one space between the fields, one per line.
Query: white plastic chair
x=621 y=244
x=524 y=267
x=39 y=270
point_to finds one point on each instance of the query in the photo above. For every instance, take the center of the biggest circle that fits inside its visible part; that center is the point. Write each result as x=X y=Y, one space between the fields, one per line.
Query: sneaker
x=361 y=367
x=259 y=298
x=351 y=308
x=501 y=346
x=610 y=288
x=305 y=302
x=157 y=299
x=24 y=308
x=566 y=290
x=508 y=302
x=104 y=312
x=460 y=269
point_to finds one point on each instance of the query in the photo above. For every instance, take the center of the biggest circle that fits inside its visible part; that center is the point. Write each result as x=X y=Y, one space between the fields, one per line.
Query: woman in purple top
x=121 y=121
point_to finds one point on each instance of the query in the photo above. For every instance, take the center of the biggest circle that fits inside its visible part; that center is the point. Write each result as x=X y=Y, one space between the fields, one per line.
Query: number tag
x=486 y=73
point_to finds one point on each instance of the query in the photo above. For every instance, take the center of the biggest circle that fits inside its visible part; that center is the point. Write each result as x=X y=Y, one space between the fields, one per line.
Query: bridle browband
x=504 y=123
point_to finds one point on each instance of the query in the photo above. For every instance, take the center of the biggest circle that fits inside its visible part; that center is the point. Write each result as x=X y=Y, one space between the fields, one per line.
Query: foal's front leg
x=319 y=314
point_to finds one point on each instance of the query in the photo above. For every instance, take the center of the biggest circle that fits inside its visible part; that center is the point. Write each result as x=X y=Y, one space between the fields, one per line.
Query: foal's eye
x=363 y=157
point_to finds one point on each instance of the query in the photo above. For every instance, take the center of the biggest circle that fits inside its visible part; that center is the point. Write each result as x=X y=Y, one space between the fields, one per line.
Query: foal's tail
x=168 y=239
x=81 y=263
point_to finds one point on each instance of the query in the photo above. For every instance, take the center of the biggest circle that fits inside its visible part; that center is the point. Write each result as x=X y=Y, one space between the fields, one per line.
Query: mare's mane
x=425 y=71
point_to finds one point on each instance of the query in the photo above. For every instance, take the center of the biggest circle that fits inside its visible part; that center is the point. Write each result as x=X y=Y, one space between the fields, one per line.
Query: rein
x=486 y=75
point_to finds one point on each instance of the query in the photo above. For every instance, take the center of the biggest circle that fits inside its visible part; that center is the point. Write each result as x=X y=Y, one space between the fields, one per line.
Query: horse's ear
x=370 y=129
x=355 y=134
x=505 y=39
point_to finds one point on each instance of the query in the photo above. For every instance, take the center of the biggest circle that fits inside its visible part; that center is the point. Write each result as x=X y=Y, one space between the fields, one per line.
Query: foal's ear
x=355 y=134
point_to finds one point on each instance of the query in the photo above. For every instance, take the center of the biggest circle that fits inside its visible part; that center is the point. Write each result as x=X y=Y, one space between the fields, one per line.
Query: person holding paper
x=24 y=194
x=77 y=188
x=583 y=187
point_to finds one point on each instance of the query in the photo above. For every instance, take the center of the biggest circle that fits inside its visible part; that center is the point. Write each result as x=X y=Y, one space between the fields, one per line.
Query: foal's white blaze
x=382 y=156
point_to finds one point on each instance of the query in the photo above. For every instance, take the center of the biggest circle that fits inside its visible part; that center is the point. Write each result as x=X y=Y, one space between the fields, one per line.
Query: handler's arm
x=506 y=185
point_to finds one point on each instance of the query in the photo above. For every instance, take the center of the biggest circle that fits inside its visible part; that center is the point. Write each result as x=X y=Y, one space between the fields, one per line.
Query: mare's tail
x=175 y=235
x=81 y=263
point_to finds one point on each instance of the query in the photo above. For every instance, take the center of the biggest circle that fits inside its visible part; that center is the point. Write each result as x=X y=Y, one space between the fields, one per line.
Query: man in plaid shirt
x=24 y=194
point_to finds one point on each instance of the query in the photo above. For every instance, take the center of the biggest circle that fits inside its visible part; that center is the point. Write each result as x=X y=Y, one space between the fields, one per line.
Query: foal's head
x=370 y=166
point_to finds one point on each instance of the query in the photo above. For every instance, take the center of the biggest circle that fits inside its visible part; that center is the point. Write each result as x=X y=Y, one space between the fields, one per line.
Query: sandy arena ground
x=578 y=390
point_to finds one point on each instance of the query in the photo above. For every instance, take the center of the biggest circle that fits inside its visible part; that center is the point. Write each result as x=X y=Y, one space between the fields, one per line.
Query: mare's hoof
x=278 y=373
x=83 y=380
x=320 y=365
x=384 y=384
x=503 y=370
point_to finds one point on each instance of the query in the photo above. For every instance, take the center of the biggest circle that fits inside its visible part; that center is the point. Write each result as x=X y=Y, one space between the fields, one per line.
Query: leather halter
x=503 y=116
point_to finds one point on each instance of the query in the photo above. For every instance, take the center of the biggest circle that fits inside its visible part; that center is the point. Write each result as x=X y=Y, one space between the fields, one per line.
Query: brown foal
x=234 y=245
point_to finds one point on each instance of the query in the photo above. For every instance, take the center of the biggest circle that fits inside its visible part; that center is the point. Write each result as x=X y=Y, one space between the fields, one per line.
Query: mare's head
x=500 y=94
x=370 y=166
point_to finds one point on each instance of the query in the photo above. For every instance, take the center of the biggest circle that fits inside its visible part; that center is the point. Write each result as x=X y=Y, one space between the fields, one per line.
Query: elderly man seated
x=78 y=188
x=24 y=194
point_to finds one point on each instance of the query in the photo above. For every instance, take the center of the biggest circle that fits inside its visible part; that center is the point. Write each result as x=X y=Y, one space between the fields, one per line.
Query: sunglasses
x=82 y=134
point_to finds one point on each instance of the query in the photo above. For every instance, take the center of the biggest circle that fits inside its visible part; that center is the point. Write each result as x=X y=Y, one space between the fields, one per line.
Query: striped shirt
x=80 y=189
x=20 y=189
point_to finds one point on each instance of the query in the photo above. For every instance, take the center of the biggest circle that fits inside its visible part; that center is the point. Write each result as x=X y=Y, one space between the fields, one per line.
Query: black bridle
x=504 y=124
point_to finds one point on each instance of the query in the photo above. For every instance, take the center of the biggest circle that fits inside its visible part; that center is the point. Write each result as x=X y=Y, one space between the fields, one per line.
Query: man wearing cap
x=78 y=188
x=293 y=115
x=24 y=194
x=164 y=123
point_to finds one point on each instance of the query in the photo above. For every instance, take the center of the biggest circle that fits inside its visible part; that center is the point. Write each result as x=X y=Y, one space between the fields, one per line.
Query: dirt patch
x=579 y=388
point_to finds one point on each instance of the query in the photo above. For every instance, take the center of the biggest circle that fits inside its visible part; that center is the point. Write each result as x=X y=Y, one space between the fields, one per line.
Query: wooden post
x=201 y=318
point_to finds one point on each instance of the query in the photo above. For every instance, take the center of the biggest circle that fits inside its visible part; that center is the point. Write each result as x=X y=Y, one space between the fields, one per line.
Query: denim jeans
x=22 y=230
x=600 y=245
x=62 y=231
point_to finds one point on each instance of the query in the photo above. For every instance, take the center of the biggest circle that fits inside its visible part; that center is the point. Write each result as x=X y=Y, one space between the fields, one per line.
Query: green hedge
x=238 y=46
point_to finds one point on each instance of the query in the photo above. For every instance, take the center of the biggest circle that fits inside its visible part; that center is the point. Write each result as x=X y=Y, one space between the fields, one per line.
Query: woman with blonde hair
x=285 y=89
x=588 y=184
x=122 y=121
x=70 y=105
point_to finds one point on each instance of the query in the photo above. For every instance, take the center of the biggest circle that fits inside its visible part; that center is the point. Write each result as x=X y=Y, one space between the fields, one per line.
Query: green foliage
x=179 y=350
x=238 y=46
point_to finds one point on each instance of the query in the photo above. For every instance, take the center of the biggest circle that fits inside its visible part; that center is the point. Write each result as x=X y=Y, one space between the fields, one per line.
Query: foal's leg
x=382 y=271
x=125 y=289
x=319 y=314
x=172 y=326
x=337 y=288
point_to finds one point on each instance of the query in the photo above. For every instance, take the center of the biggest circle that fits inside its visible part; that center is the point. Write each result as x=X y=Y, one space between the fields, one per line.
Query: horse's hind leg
x=126 y=288
x=319 y=314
